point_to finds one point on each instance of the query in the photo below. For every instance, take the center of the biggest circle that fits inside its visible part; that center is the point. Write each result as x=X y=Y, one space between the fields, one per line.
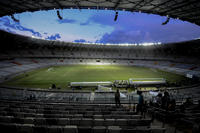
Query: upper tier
x=19 y=46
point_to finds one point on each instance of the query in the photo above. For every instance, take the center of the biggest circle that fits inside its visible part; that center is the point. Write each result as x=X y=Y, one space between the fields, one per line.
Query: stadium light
x=14 y=19
x=164 y=23
x=116 y=16
x=59 y=16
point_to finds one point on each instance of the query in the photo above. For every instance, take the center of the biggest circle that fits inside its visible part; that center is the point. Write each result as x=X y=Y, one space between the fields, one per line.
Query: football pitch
x=61 y=76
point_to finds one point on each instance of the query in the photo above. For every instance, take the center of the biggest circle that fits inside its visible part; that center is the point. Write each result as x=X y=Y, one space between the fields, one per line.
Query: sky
x=98 y=26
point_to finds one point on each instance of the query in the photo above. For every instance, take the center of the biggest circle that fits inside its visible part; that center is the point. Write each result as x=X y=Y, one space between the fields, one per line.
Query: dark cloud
x=11 y=25
x=121 y=36
x=103 y=19
x=53 y=37
x=66 y=21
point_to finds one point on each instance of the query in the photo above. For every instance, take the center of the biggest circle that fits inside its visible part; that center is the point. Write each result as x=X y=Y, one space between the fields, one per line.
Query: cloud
x=140 y=28
x=66 y=21
x=85 y=23
x=8 y=30
x=11 y=25
x=129 y=28
x=53 y=37
x=121 y=36
x=103 y=19
x=80 y=41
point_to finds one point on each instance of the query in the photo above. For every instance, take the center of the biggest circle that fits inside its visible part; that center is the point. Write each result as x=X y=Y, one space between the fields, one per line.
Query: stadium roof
x=187 y=10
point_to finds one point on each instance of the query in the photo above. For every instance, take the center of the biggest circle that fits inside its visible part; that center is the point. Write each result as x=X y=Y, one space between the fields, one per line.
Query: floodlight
x=59 y=16
x=14 y=19
x=164 y=23
x=116 y=16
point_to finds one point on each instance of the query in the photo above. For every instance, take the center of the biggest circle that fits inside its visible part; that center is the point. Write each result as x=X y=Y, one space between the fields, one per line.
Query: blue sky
x=98 y=26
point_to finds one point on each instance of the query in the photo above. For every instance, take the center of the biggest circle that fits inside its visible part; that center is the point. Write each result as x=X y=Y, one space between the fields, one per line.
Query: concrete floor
x=170 y=128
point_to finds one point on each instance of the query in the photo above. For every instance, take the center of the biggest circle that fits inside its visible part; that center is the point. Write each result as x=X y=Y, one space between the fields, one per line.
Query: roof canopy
x=187 y=10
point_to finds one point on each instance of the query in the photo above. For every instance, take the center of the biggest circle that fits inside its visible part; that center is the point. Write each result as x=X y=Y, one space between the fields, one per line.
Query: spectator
x=117 y=98
x=165 y=101
x=53 y=86
x=172 y=105
x=188 y=101
x=158 y=100
x=32 y=97
x=140 y=105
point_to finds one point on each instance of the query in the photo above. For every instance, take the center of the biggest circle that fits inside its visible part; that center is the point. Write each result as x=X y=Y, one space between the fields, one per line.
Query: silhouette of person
x=117 y=98
x=140 y=103
x=53 y=86
x=165 y=100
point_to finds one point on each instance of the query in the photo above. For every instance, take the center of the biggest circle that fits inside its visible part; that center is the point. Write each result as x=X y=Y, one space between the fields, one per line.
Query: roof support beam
x=77 y=4
x=19 y=3
x=145 y=3
x=181 y=5
x=148 y=2
x=58 y=4
x=33 y=3
x=186 y=12
x=157 y=6
x=117 y=4
x=11 y=8
x=5 y=8
x=137 y=4
x=194 y=16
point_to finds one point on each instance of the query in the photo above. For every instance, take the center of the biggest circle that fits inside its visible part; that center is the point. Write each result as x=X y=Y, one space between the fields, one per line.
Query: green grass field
x=62 y=75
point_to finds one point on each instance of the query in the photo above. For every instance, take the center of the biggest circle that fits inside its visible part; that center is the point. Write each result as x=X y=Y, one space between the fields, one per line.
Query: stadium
x=63 y=87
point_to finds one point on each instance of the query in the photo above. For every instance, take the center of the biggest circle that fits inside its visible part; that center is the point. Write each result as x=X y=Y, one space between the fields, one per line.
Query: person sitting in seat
x=117 y=98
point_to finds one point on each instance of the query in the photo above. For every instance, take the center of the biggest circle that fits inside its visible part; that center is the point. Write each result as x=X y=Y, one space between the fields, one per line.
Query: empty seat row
x=39 y=117
x=109 y=116
x=47 y=106
x=40 y=111
x=70 y=108
x=76 y=121
x=30 y=128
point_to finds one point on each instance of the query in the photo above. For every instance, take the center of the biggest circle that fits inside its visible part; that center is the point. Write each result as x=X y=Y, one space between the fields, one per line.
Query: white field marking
x=50 y=69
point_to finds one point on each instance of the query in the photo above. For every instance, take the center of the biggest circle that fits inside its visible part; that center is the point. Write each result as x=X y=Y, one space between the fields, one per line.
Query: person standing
x=140 y=103
x=165 y=100
x=117 y=98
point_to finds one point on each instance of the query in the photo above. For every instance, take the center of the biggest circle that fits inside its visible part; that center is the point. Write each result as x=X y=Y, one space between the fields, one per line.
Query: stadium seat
x=70 y=129
x=114 y=129
x=99 y=129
